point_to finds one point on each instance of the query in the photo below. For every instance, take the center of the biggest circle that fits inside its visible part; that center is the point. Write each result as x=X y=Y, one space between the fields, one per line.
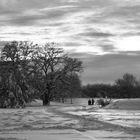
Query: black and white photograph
x=69 y=69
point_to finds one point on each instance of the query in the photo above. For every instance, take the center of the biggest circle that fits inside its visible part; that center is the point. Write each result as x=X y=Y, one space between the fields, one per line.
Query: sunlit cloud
x=57 y=8
x=129 y=44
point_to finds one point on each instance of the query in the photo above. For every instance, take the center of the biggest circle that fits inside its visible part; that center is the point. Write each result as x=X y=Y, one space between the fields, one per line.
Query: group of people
x=91 y=101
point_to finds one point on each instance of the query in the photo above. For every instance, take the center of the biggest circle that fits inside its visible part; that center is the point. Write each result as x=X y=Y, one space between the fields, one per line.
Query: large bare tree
x=54 y=64
x=30 y=69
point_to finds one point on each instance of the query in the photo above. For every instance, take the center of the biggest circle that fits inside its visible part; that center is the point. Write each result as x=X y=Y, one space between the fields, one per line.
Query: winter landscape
x=69 y=70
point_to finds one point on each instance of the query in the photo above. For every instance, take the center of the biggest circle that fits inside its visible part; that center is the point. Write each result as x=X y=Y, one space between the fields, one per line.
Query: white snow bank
x=126 y=104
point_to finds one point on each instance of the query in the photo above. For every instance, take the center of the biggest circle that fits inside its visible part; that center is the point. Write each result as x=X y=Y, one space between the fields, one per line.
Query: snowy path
x=54 y=123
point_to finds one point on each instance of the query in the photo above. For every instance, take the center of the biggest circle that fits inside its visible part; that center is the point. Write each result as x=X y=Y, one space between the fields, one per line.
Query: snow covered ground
x=123 y=112
x=69 y=122
x=124 y=118
x=68 y=134
x=32 y=118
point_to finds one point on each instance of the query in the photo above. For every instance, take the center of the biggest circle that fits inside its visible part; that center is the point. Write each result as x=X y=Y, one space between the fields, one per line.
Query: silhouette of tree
x=54 y=64
x=126 y=85
x=14 y=70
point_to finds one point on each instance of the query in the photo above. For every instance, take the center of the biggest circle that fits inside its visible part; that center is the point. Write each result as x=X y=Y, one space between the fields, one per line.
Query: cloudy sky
x=104 y=34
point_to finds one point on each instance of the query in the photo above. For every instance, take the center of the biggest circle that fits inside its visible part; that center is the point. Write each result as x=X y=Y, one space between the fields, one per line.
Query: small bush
x=101 y=102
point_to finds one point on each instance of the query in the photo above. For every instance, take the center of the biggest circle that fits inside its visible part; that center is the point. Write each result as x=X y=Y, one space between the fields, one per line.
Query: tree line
x=30 y=71
x=126 y=87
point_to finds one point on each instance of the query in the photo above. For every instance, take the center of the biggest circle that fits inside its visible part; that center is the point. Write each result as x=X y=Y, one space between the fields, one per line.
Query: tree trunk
x=46 y=98
x=46 y=102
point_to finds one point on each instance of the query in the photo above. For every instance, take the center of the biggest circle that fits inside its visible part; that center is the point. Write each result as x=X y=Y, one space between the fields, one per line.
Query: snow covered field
x=71 y=122
x=32 y=118
x=124 y=112
x=118 y=117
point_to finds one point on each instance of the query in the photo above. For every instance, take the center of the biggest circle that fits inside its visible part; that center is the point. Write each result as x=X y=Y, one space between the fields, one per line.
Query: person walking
x=92 y=101
x=89 y=102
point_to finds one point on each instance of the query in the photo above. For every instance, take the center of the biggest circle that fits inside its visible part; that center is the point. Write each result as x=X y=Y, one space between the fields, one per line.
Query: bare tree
x=54 y=65
x=32 y=69
x=15 y=58
x=126 y=84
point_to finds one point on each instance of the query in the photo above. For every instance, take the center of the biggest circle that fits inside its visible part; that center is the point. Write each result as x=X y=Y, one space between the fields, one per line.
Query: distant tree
x=74 y=86
x=97 y=90
x=68 y=87
x=126 y=85
x=71 y=69
x=3 y=84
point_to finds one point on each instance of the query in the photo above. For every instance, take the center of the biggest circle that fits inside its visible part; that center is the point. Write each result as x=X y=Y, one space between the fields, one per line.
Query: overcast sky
x=104 y=34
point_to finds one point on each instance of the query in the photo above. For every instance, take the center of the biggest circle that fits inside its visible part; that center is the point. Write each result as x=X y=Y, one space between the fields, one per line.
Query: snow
x=123 y=112
x=58 y=123
x=125 y=104
x=68 y=134
x=44 y=135
x=32 y=118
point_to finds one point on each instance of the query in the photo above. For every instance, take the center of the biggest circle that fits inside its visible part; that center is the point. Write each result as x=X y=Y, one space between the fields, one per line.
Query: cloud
x=6 y=3
x=108 y=47
x=108 y=68
x=69 y=1
x=33 y=16
x=127 y=11
x=65 y=7
x=102 y=33
x=72 y=44
x=96 y=34
x=130 y=43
